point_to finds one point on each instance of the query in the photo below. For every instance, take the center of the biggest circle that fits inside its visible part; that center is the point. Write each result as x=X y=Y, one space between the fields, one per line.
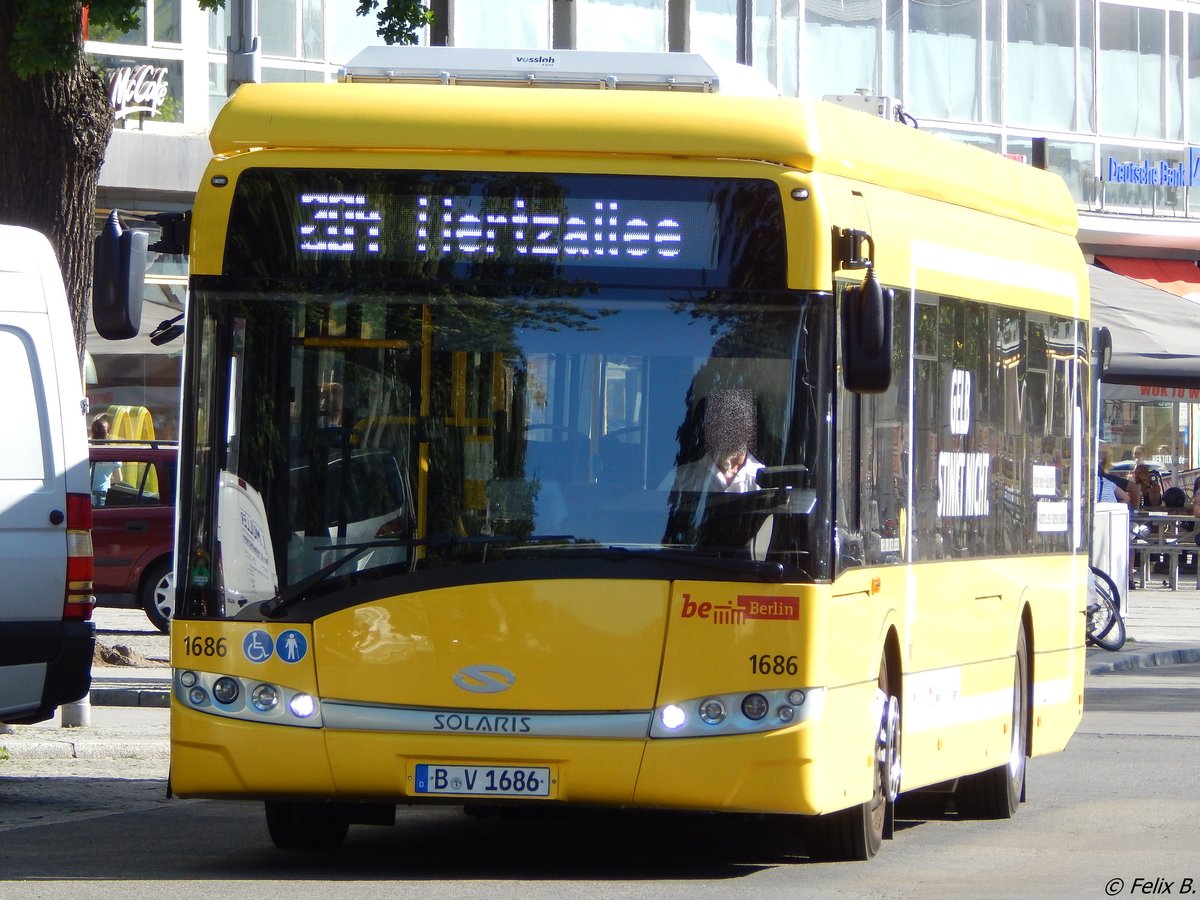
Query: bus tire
x=306 y=825
x=997 y=793
x=857 y=833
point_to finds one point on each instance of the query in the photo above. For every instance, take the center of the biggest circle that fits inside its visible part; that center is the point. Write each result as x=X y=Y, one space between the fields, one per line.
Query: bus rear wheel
x=307 y=825
x=996 y=793
x=857 y=833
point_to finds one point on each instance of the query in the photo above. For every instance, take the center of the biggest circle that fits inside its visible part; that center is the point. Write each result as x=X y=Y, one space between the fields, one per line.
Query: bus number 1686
x=773 y=664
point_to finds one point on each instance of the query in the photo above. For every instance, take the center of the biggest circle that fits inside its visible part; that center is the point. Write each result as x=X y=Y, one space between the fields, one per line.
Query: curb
x=153 y=697
x=1146 y=660
x=87 y=748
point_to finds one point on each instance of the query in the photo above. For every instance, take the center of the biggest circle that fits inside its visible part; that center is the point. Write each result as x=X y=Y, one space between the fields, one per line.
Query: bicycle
x=1105 y=624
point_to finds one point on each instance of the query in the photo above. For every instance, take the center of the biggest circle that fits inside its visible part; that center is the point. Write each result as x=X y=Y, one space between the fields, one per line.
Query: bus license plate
x=487 y=781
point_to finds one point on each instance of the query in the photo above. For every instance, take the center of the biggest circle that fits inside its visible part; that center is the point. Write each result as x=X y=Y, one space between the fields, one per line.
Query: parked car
x=1125 y=468
x=133 y=525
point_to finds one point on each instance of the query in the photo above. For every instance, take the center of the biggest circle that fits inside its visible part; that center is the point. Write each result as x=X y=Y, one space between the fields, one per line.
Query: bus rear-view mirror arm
x=866 y=320
x=118 y=280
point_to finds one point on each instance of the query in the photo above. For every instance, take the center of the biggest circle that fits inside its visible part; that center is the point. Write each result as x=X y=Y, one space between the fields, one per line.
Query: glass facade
x=714 y=28
x=1040 y=78
x=1121 y=78
x=1157 y=426
x=521 y=24
x=621 y=24
x=842 y=49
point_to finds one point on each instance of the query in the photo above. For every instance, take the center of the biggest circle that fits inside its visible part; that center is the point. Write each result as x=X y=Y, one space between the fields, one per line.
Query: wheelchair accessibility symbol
x=258 y=646
x=291 y=646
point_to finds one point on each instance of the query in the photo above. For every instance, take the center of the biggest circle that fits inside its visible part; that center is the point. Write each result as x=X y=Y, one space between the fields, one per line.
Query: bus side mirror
x=867 y=336
x=118 y=280
x=1101 y=350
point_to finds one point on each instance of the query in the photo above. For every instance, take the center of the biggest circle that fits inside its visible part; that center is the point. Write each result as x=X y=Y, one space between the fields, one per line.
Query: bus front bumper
x=773 y=773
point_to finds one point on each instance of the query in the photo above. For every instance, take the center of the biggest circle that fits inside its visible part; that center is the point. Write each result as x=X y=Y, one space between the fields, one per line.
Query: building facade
x=1112 y=86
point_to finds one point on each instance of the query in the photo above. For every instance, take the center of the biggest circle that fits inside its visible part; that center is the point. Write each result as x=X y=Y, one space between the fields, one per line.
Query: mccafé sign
x=137 y=89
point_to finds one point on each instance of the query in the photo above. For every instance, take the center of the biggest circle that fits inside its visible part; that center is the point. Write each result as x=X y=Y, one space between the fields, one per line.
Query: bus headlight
x=754 y=706
x=714 y=716
x=264 y=697
x=712 y=711
x=302 y=706
x=226 y=690
x=232 y=697
x=673 y=717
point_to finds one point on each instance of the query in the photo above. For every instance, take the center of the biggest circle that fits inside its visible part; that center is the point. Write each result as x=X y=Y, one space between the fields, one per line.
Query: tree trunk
x=54 y=129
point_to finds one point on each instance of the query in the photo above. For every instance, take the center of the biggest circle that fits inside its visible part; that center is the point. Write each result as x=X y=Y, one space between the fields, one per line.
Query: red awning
x=1180 y=277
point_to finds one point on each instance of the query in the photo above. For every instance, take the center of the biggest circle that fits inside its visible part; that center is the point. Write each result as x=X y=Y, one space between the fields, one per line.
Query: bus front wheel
x=308 y=825
x=857 y=833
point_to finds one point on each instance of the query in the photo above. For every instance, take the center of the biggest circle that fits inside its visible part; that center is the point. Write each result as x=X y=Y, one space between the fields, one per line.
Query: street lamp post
x=244 y=53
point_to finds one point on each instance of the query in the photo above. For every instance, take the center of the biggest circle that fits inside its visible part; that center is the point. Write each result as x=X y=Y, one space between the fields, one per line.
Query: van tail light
x=79 y=599
x=392 y=528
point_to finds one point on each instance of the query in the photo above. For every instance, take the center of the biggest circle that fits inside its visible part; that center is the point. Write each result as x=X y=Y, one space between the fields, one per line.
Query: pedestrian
x=105 y=473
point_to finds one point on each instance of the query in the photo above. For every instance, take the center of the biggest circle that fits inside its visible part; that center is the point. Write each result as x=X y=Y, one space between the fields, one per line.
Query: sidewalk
x=113 y=732
x=128 y=713
x=1163 y=629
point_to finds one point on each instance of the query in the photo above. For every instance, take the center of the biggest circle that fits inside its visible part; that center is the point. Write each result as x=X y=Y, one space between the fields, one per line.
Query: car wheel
x=158 y=594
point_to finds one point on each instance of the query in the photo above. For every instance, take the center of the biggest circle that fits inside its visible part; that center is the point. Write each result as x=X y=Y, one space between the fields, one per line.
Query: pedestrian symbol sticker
x=258 y=646
x=291 y=646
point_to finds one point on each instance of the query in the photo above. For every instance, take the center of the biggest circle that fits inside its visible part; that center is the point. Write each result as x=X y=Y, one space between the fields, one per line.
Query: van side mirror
x=867 y=336
x=118 y=280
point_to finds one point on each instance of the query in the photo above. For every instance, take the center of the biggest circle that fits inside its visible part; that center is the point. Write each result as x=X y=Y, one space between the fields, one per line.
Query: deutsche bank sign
x=1163 y=174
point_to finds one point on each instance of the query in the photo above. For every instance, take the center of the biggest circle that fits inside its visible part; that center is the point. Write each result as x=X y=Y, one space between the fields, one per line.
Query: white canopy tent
x=1155 y=334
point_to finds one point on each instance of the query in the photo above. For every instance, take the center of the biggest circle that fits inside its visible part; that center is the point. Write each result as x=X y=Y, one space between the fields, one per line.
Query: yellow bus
x=639 y=448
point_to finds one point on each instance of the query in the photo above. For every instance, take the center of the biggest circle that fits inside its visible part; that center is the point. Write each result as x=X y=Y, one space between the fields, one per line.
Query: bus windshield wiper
x=760 y=569
x=297 y=591
x=563 y=546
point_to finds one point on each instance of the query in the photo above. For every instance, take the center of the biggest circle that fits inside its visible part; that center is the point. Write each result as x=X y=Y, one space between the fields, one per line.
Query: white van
x=46 y=636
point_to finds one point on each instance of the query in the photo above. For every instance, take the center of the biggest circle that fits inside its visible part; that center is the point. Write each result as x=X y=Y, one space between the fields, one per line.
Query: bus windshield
x=401 y=433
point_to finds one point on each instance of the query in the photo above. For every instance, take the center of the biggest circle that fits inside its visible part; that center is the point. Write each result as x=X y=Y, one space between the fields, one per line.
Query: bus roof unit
x=601 y=70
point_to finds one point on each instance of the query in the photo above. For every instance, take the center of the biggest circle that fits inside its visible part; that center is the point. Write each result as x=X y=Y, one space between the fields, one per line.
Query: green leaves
x=399 y=20
x=48 y=34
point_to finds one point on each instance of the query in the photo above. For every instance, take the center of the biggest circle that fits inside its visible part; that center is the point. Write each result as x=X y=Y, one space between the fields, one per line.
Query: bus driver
x=730 y=428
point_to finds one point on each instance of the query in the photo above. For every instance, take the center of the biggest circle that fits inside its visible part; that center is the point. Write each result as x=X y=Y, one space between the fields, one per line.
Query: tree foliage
x=46 y=36
x=399 y=20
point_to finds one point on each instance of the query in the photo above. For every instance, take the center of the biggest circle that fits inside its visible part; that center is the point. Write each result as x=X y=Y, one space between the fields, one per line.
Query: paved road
x=1167 y=689
x=1118 y=804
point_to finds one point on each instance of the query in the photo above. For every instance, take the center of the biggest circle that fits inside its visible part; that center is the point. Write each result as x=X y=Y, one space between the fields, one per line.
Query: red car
x=133 y=525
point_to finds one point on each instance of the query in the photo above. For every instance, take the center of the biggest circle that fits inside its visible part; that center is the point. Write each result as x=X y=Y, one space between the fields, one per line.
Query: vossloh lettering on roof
x=536 y=60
